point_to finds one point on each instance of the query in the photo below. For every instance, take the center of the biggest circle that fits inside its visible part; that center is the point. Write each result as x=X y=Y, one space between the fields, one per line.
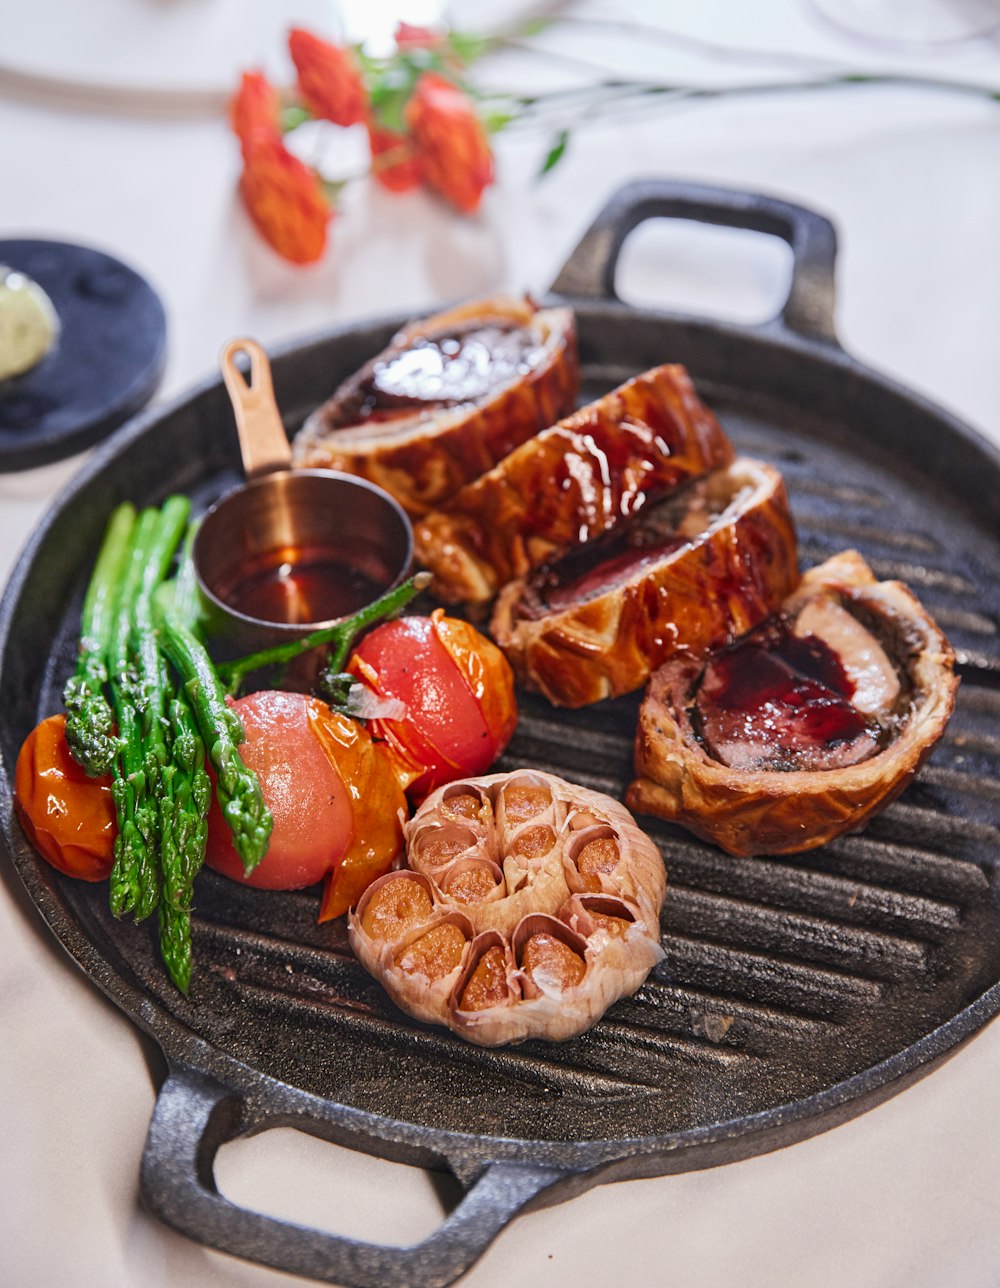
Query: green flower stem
x=533 y=109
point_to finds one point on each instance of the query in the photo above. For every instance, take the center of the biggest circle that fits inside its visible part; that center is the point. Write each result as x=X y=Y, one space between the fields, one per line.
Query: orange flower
x=284 y=199
x=454 y=150
x=329 y=79
x=409 y=36
x=396 y=165
x=255 y=108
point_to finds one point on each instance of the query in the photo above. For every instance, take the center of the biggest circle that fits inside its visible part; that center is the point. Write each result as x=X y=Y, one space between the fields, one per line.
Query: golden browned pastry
x=530 y=905
x=690 y=573
x=450 y=396
x=570 y=484
x=804 y=729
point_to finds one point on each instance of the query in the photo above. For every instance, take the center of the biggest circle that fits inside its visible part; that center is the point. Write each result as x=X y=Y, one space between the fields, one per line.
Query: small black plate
x=105 y=366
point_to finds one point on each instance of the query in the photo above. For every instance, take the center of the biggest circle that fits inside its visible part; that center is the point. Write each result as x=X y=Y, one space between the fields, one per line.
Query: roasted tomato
x=337 y=803
x=458 y=691
x=69 y=818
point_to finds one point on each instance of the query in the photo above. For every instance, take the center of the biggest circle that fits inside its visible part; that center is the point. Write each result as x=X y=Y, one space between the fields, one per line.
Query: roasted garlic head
x=529 y=906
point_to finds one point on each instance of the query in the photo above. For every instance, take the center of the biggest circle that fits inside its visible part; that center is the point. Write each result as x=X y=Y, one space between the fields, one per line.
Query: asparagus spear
x=186 y=794
x=173 y=910
x=89 y=719
x=193 y=789
x=175 y=942
x=340 y=637
x=141 y=687
x=134 y=883
x=180 y=595
x=195 y=797
x=237 y=788
x=159 y=752
x=187 y=791
x=152 y=677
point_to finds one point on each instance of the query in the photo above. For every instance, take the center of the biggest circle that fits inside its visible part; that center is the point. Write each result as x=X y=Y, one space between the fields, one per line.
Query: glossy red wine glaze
x=779 y=701
x=463 y=366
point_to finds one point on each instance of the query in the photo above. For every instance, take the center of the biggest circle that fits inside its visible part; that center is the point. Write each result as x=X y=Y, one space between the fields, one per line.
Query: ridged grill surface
x=781 y=976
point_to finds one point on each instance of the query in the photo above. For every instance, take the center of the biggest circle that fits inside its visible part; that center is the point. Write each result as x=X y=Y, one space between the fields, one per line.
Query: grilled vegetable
x=89 y=719
x=141 y=692
x=185 y=797
x=529 y=906
x=237 y=788
x=134 y=877
x=159 y=761
x=457 y=693
x=338 y=805
x=161 y=791
x=338 y=638
x=69 y=817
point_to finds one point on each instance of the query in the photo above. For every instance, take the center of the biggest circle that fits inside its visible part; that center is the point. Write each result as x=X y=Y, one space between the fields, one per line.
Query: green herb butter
x=28 y=323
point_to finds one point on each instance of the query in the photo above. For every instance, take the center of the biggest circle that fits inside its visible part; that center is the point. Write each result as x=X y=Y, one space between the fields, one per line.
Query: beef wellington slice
x=450 y=396
x=691 y=572
x=804 y=728
x=570 y=484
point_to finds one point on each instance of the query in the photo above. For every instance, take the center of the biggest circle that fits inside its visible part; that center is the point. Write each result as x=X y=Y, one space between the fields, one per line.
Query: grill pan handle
x=809 y=309
x=195 y=1115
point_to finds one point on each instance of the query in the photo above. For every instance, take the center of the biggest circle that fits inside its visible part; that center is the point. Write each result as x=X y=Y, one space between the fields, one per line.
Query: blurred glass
x=911 y=22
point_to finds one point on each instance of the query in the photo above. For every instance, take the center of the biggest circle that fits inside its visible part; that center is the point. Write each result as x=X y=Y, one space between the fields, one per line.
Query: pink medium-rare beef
x=781 y=699
x=806 y=728
x=691 y=573
x=570 y=484
x=450 y=396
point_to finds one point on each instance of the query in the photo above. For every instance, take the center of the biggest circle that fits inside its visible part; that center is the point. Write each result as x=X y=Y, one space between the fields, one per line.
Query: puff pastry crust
x=748 y=812
x=442 y=417
x=570 y=484
x=696 y=595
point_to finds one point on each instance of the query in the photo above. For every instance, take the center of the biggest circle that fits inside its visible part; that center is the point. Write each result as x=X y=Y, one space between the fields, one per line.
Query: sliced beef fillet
x=784 y=699
x=450 y=396
x=569 y=485
x=648 y=537
x=688 y=574
x=807 y=726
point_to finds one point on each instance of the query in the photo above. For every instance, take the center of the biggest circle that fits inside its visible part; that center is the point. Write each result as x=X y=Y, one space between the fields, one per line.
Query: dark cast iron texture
x=794 y=994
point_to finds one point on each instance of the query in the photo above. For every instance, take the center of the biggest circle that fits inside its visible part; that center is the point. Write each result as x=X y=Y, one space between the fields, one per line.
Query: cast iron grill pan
x=794 y=993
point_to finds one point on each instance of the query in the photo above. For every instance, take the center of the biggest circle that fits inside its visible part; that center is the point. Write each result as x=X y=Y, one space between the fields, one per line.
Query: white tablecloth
x=904 y=1195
